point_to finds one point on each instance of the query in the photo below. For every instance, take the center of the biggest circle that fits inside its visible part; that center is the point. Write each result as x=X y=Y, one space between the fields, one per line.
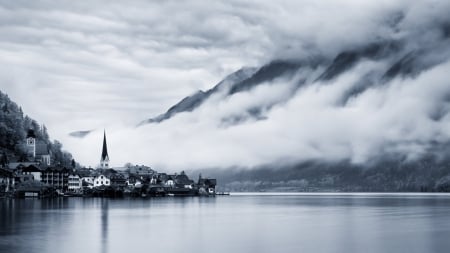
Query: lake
x=237 y=223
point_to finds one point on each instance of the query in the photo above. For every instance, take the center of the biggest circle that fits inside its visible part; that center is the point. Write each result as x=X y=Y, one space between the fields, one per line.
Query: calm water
x=241 y=223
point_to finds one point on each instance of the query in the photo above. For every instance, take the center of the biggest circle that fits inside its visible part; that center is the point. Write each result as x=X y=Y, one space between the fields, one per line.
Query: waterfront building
x=170 y=182
x=58 y=177
x=101 y=180
x=183 y=181
x=118 y=179
x=74 y=183
x=133 y=181
x=206 y=185
x=87 y=181
x=33 y=170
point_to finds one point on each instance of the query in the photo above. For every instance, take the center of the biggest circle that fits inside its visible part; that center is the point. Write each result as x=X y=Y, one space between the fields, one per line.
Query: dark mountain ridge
x=193 y=101
x=401 y=62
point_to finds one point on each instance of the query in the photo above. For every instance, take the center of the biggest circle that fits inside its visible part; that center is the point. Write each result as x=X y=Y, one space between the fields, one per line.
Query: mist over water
x=240 y=223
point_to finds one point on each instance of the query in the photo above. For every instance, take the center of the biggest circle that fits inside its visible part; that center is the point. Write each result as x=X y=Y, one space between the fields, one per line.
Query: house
x=32 y=170
x=134 y=181
x=118 y=179
x=25 y=171
x=170 y=182
x=162 y=178
x=183 y=181
x=57 y=177
x=74 y=183
x=154 y=180
x=207 y=185
x=101 y=180
x=87 y=181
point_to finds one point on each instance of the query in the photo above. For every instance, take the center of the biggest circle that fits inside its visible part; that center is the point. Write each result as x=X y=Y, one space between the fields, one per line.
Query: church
x=104 y=159
x=102 y=179
x=37 y=151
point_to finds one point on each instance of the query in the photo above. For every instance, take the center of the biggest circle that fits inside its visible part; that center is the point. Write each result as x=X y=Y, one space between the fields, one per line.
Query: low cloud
x=80 y=134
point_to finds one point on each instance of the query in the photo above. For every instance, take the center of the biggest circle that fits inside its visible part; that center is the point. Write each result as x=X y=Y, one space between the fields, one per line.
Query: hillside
x=14 y=125
x=193 y=101
x=428 y=174
x=399 y=58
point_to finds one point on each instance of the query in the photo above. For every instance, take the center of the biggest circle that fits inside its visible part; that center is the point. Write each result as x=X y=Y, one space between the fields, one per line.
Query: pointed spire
x=105 y=149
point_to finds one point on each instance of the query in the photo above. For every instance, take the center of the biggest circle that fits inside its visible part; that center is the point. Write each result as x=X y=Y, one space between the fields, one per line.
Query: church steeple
x=31 y=143
x=104 y=160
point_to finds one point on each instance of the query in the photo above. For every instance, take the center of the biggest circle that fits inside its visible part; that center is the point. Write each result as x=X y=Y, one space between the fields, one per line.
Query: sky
x=108 y=65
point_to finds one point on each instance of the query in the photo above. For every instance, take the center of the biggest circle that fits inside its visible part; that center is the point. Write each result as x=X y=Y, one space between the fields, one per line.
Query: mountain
x=399 y=57
x=189 y=103
x=240 y=81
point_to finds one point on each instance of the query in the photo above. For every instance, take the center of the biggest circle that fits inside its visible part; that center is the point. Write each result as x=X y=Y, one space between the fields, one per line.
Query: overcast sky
x=94 y=65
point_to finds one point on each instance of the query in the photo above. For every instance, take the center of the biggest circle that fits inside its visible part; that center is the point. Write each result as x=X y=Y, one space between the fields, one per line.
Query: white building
x=38 y=151
x=170 y=183
x=134 y=183
x=75 y=183
x=101 y=180
x=88 y=180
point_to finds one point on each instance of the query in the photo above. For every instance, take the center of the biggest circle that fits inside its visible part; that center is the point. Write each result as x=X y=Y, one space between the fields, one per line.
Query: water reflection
x=104 y=225
x=293 y=223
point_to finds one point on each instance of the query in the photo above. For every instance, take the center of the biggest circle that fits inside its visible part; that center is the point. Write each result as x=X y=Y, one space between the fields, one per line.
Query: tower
x=104 y=160
x=31 y=143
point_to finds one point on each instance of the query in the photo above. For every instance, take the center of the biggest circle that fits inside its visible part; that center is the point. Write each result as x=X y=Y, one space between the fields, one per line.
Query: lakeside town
x=36 y=176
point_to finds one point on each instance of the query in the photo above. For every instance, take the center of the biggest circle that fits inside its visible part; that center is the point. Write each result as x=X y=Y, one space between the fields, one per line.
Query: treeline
x=429 y=173
x=14 y=125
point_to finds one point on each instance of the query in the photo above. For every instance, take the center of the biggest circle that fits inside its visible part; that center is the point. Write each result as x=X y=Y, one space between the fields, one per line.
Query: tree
x=5 y=108
x=13 y=129
x=45 y=135
x=4 y=159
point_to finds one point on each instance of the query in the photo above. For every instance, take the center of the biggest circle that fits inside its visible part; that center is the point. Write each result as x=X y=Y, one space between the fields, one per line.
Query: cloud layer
x=98 y=64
